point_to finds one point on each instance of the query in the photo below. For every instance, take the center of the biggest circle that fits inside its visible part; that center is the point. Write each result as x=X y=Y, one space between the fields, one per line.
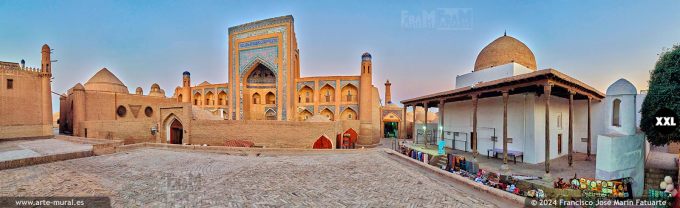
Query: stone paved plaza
x=150 y=177
x=11 y=150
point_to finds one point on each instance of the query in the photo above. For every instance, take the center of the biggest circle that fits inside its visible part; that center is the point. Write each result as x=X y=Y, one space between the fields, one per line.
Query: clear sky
x=145 y=42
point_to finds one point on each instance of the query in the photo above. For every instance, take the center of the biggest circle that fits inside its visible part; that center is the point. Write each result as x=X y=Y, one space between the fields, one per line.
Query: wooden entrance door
x=323 y=143
x=176 y=132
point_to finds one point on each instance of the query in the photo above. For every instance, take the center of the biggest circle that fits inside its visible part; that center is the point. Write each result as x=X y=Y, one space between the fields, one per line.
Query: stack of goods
x=418 y=155
x=619 y=188
x=536 y=193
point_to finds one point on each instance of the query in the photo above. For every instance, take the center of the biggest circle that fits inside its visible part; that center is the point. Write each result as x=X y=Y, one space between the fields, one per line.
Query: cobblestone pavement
x=10 y=150
x=165 y=178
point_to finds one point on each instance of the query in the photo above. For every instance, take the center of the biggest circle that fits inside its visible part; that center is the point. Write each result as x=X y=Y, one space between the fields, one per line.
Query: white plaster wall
x=581 y=125
x=493 y=73
x=558 y=106
x=627 y=115
x=458 y=118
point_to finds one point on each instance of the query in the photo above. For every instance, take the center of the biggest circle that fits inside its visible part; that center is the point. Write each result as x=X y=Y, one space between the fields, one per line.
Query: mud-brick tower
x=186 y=87
x=365 y=98
x=46 y=89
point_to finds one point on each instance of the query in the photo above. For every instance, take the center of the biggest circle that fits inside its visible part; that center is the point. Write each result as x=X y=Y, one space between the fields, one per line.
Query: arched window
x=616 y=111
x=271 y=98
x=256 y=98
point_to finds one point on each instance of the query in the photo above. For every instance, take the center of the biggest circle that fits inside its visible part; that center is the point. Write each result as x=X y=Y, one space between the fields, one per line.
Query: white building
x=505 y=73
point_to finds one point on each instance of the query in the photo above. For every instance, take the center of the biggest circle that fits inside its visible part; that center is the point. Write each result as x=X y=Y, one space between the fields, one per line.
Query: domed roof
x=155 y=87
x=621 y=87
x=78 y=87
x=366 y=56
x=186 y=73
x=104 y=80
x=505 y=50
x=139 y=91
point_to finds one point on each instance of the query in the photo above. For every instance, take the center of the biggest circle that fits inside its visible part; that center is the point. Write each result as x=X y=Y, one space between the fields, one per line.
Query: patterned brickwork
x=154 y=177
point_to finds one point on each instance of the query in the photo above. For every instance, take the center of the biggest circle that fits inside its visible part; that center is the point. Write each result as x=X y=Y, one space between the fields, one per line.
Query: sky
x=146 y=42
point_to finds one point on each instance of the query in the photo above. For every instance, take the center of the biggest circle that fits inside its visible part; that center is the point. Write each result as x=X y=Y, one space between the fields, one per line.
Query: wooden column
x=474 y=126
x=546 y=92
x=571 y=127
x=505 y=127
x=425 y=124
x=402 y=124
x=441 y=118
x=414 y=131
x=589 y=126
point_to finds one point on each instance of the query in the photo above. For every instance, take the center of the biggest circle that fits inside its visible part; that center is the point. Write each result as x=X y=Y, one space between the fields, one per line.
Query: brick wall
x=275 y=134
x=21 y=107
x=129 y=132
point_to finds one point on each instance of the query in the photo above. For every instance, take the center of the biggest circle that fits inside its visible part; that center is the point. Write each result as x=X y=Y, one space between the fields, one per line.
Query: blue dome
x=186 y=73
x=366 y=56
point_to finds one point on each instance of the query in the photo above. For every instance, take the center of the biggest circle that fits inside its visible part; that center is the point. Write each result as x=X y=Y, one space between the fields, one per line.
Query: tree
x=664 y=92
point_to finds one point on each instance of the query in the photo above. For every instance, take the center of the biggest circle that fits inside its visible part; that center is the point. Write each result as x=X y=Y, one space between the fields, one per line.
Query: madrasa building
x=265 y=101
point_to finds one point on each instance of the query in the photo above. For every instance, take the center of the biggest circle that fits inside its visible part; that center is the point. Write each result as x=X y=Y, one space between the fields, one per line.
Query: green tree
x=664 y=92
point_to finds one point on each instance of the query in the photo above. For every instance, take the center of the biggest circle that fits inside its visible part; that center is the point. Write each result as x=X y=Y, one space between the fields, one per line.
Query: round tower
x=186 y=87
x=388 y=92
x=46 y=89
x=365 y=104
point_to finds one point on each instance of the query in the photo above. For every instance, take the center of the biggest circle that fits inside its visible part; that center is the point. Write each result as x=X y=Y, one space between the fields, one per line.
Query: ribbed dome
x=621 y=87
x=104 y=80
x=505 y=50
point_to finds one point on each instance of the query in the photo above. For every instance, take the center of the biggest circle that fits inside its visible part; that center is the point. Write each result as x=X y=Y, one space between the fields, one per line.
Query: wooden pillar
x=505 y=127
x=425 y=124
x=571 y=127
x=474 y=126
x=589 y=126
x=414 y=131
x=402 y=123
x=546 y=92
x=441 y=119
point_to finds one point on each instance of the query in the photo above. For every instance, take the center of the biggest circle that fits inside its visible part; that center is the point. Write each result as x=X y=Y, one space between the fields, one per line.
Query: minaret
x=365 y=101
x=186 y=87
x=388 y=92
x=46 y=89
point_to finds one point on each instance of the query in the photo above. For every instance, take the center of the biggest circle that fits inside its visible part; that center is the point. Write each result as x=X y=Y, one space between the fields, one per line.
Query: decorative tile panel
x=256 y=43
x=353 y=107
x=325 y=82
x=329 y=107
x=309 y=84
x=343 y=83
x=396 y=112
x=267 y=56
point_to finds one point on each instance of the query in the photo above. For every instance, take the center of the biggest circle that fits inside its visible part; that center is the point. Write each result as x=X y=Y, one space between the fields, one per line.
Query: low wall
x=271 y=134
x=25 y=131
x=240 y=151
x=99 y=146
x=9 y=164
x=129 y=132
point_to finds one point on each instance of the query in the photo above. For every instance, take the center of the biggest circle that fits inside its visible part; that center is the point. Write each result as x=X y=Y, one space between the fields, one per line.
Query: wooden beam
x=571 y=127
x=425 y=124
x=589 y=127
x=475 y=100
x=505 y=127
x=547 y=88
x=441 y=118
